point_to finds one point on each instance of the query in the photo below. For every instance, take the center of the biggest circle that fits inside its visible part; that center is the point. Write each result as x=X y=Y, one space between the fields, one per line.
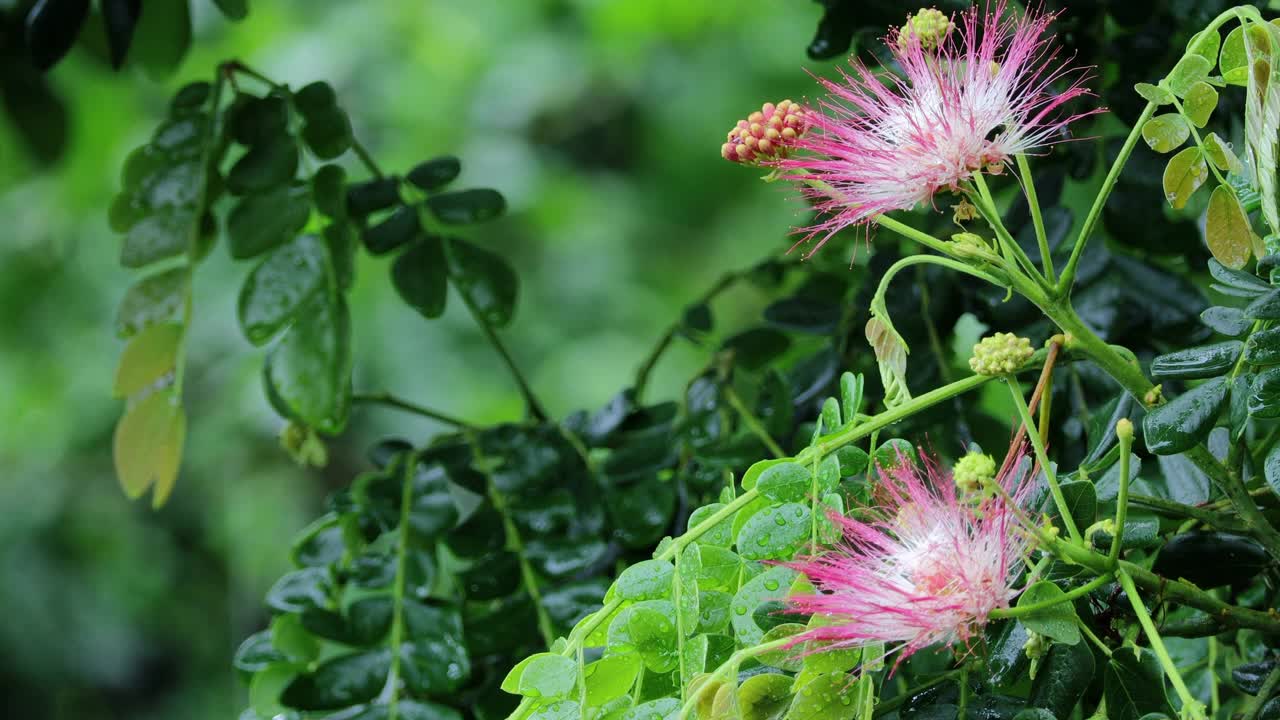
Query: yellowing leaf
x=148 y=446
x=148 y=356
x=1227 y=229
x=1201 y=101
x=1184 y=174
x=1165 y=132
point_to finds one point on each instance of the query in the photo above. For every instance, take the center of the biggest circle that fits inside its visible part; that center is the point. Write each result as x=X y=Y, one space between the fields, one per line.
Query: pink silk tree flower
x=971 y=95
x=926 y=566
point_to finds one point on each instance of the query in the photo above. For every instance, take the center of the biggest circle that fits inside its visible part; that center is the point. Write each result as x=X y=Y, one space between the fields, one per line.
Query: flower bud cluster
x=972 y=473
x=1000 y=354
x=928 y=27
x=766 y=134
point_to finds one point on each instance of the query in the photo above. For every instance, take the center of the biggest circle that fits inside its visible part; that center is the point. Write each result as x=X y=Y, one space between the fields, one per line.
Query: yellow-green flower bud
x=1036 y=645
x=1000 y=354
x=972 y=472
x=928 y=27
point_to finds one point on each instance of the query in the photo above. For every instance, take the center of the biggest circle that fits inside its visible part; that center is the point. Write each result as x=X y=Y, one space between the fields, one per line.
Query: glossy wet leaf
x=1227 y=229
x=545 y=675
x=1201 y=101
x=1264 y=394
x=1197 y=362
x=1226 y=320
x=719 y=534
x=1221 y=154
x=775 y=533
x=1263 y=347
x=1057 y=621
x=610 y=677
x=785 y=482
x=1211 y=559
x=340 y=682
x=645 y=580
x=266 y=165
x=309 y=371
x=1062 y=678
x=1153 y=93
x=830 y=696
x=51 y=29
x=1185 y=421
x=772 y=584
x=1133 y=686
x=392 y=232
x=262 y=221
x=485 y=278
x=1184 y=174
x=287 y=280
x=1165 y=133
x=421 y=277
x=1190 y=70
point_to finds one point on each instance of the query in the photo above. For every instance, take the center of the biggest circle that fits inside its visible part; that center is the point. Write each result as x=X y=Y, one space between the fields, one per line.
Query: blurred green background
x=599 y=120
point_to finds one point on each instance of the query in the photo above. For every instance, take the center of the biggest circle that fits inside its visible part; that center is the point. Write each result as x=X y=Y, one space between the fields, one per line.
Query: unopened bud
x=972 y=472
x=1124 y=430
x=303 y=445
x=929 y=28
x=766 y=134
x=1000 y=354
x=964 y=211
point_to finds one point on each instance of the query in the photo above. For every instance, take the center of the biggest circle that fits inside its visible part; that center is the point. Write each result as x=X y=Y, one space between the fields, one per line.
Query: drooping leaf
x=148 y=446
x=149 y=356
x=1227 y=229
x=484 y=278
x=287 y=280
x=1184 y=174
x=308 y=373
x=421 y=276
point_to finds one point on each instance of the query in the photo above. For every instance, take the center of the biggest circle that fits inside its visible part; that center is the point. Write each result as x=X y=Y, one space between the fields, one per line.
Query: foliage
x=635 y=556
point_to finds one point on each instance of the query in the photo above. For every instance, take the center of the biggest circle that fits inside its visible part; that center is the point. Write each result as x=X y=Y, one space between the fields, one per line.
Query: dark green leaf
x=328 y=187
x=327 y=133
x=1264 y=396
x=264 y=166
x=462 y=207
x=52 y=27
x=1198 y=362
x=421 y=276
x=753 y=349
x=1062 y=679
x=484 y=278
x=1082 y=502
x=803 y=314
x=285 y=282
x=1271 y=469
x=309 y=372
x=256 y=653
x=1185 y=421
x=396 y=230
x=299 y=590
x=233 y=9
x=154 y=299
x=1263 y=347
x=1250 y=677
x=372 y=195
x=263 y=221
x=255 y=120
x=1266 y=307
x=119 y=18
x=1211 y=559
x=1134 y=687
x=435 y=657
x=340 y=682
x=1226 y=320
x=435 y=173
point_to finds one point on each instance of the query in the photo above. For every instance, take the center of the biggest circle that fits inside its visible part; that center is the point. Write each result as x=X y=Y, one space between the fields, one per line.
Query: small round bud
x=1124 y=430
x=766 y=134
x=972 y=472
x=1000 y=354
x=928 y=27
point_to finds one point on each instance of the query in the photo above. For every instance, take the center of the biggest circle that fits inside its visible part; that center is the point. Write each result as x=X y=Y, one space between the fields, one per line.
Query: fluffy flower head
x=923 y=567
x=966 y=100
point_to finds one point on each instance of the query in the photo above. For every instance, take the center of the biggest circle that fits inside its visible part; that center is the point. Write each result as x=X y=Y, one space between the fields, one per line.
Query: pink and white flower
x=968 y=100
x=925 y=566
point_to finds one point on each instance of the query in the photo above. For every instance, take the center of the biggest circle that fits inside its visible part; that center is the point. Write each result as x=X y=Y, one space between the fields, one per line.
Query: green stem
x=1097 y=641
x=1190 y=705
x=729 y=668
x=1033 y=202
x=911 y=233
x=1024 y=413
x=1169 y=508
x=396 y=636
x=1068 y=596
x=986 y=205
x=532 y=405
x=752 y=422
x=386 y=398
x=1122 y=497
x=963 y=681
x=1069 y=273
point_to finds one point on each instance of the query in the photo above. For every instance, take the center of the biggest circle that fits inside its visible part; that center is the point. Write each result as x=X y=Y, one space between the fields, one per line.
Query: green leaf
x=289 y=279
x=1062 y=678
x=713 y=611
x=660 y=709
x=1201 y=101
x=327 y=133
x=686 y=581
x=1227 y=229
x=826 y=697
x=1222 y=155
x=720 y=534
x=267 y=685
x=653 y=634
x=545 y=675
x=804 y=315
x=291 y=638
x=396 y=230
x=463 y=207
x=1184 y=174
x=610 y=677
x=308 y=373
x=1057 y=621
x=1263 y=347
x=1271 y=469
x=756 y=347
x=484 y=278
x=720 y=568
x=421 y=276
x=435 y=173
x=149 y=355
x=434 y=660
x=165 y=233
x=266 y=165
x=156 y=298
x=147 y=446
x=328 y=187
x=1166 y=132
x=1226 y=320
x=1205 y=44
x=1082 y=502
x=1133 y=686
x=645 y=580
x=1198 y=362
x=893 y=453
x=1190 y=70
x=763 y=697
x=339 y=682
x=263 y=221
x=557 y=710
x=1211 y=559
x=853 y=460
x=372 y=195
x=1154 y=93
x=233 y=9
x=1179 y=425
x=772 y=584
x=1233 y=61
x=785 y=482
x=298 y=590
x=161 y=38
x=1264 y=396
x=256 y=653
x=775 y=533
